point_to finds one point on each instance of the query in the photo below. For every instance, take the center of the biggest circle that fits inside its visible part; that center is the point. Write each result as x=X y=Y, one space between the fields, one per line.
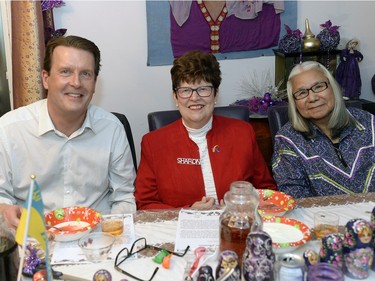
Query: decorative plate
x=287 y=234
x=72 y=222
x=274 y=202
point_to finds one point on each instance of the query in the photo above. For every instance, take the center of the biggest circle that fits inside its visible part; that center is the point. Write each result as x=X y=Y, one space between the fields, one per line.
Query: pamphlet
x=197 y=228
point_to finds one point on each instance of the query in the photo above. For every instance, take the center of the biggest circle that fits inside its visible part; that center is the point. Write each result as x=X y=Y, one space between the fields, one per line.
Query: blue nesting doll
x=331 y=250
x=228 y=259
x=358 y=248
x=258 y=259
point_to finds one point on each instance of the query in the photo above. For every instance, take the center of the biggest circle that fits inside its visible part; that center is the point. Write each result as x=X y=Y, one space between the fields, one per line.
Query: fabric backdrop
x=158 y=33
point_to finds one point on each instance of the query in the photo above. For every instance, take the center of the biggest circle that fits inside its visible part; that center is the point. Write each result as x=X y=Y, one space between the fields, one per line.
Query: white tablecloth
x=162 y=232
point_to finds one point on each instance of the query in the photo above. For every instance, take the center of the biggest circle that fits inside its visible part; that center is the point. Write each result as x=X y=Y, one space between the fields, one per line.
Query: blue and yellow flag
x=33 y=223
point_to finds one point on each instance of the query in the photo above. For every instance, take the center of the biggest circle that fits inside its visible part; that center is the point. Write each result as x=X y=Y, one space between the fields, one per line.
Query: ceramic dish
x=275 y=203
x=287 y=234
x=71 y=223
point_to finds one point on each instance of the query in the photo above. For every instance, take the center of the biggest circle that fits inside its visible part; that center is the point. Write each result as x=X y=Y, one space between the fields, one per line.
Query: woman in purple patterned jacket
x=325 y=148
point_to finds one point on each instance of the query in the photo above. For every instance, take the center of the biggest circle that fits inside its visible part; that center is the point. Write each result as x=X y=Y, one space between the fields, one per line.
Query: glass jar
x=239 y=217
x=324 y=271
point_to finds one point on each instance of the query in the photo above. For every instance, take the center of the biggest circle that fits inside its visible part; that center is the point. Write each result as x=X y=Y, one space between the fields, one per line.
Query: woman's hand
x=206 y=203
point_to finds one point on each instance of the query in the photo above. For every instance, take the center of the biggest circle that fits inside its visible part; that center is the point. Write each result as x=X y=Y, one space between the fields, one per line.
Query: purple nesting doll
x=228 y=260
x=258 y=259
x=331 y=250
x=358 y=248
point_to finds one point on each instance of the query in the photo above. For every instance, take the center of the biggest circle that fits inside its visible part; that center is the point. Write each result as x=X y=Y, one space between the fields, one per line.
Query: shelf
x=284 y=62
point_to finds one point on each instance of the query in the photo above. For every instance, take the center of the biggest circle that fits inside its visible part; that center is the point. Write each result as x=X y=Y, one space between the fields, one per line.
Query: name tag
x=188 y=161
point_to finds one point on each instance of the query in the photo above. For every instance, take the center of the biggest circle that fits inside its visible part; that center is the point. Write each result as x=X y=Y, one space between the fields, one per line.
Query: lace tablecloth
x=159 y=228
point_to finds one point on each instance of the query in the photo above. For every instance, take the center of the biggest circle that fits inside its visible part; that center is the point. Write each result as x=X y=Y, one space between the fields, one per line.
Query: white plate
x=287 y=234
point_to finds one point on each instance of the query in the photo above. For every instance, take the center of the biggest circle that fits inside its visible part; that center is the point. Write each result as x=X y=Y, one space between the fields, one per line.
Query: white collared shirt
x=93 y=167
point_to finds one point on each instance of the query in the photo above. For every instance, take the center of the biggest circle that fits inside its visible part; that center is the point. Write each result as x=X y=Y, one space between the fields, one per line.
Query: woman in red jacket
x=193 y=161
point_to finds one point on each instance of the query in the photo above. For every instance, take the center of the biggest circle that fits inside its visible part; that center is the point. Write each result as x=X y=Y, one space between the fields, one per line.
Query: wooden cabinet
x=284 y=62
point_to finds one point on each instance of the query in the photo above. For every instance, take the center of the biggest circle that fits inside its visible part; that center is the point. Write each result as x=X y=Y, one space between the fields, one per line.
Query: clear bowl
x=96 y=245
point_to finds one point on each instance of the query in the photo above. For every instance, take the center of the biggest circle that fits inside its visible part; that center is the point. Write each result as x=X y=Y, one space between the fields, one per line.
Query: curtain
x=27 y=52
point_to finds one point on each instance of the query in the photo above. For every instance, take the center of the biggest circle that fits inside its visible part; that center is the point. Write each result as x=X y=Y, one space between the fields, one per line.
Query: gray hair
x=340 y=117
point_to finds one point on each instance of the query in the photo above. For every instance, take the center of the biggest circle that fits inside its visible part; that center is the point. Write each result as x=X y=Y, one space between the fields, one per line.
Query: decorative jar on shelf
x=239 y=217
x=309 y=42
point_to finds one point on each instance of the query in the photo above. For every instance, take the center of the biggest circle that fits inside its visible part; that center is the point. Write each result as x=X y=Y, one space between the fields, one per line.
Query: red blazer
x=170 y=175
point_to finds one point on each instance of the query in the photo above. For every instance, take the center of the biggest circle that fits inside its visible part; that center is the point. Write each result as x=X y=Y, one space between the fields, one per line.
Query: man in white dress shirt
x=78 y=152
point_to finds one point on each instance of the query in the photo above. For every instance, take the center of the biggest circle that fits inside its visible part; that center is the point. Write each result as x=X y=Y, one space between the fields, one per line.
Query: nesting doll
x=228 y=259
x=331 y=250
x=258 y=259
x=205 y=273
x=102 y=275
x=311 y=257
x=358 y=248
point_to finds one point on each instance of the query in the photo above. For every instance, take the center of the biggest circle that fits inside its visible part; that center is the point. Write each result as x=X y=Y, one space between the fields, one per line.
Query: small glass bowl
x=96 y=245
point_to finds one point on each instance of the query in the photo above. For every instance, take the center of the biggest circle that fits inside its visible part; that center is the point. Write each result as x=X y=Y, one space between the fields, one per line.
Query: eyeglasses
x=186 y=92
x=317 y=88
x=138 y=246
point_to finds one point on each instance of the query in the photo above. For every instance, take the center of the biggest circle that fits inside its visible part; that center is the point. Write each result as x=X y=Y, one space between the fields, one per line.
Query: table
x=159 y=227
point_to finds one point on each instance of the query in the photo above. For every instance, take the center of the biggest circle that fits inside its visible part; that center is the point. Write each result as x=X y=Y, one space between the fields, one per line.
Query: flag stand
x=22 y=257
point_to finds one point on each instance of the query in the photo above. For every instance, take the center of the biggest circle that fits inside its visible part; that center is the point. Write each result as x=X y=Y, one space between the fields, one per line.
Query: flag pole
x=29 y=200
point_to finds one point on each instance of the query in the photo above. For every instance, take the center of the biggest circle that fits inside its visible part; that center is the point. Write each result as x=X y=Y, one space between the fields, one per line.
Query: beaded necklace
x=214 y=25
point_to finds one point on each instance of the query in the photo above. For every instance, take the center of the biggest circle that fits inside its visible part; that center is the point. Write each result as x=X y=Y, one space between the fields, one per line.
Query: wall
x=127 y=85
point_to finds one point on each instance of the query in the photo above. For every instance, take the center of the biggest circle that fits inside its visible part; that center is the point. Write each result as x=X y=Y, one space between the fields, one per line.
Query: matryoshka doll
x=358 y=248
x=228 y=259
x=205 y=273
x=102 y=275
x=331 y=250
x=258 y=259
x=311 y=257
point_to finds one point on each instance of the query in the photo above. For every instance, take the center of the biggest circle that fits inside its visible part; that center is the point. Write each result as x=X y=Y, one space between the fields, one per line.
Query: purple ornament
x=267 y=97
x=291 y=41
x=32 y=260
x=329 y=37
x=50 y=4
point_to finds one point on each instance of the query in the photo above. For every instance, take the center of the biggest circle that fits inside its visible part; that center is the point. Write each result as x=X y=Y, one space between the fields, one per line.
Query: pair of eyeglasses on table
x=138 y=246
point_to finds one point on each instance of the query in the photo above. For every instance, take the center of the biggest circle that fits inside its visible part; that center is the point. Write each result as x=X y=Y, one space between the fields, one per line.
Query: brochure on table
x=197 y=228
